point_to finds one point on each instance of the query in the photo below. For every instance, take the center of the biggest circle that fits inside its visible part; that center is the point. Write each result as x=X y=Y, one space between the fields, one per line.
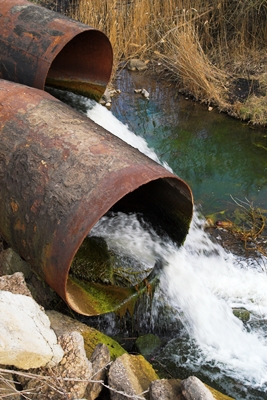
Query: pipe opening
x=40 y=47
x=103 y=274
x=61 y=173
x=83 y=66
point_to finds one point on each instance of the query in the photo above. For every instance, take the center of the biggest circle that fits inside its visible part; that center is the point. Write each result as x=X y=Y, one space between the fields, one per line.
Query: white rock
x=26 y=340
x=145 y=93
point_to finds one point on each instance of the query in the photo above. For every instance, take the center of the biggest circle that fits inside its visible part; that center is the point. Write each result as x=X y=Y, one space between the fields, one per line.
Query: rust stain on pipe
x=40 y=47
x=60 y=173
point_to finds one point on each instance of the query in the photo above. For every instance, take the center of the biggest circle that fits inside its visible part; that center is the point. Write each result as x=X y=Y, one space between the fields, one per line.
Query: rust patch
x=20 y=226
x=14 y=206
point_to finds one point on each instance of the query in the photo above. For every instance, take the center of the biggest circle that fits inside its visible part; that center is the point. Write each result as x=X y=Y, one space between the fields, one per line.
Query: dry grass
x=248 y=225
x=55 y=383
x=201 y=45
x=255 y=107
x=184 y=59
x=195 y=41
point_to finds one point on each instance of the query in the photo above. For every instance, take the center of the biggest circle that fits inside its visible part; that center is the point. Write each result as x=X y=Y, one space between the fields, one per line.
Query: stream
x=221 y=159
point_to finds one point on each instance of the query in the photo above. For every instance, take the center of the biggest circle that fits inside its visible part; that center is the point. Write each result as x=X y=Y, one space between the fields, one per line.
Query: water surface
x=215 y=154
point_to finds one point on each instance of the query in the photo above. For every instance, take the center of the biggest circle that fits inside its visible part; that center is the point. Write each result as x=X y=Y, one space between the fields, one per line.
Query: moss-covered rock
x=218 y=395
x=131 y=375
x=242 y=314
x=92 y=337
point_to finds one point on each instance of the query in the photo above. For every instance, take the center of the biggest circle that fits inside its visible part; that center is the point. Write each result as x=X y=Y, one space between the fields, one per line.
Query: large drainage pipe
x=59 y=174
x=40 y=47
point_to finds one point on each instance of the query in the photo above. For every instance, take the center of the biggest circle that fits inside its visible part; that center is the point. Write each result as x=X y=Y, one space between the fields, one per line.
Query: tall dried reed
x=189 y=37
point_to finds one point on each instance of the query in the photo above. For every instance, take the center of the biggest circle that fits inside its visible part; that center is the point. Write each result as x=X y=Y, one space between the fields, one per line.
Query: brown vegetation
x=247 y=226
x=214 y=50
x=202 y=46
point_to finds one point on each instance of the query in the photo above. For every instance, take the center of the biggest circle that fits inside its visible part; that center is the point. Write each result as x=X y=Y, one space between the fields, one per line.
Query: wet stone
x=242 y=314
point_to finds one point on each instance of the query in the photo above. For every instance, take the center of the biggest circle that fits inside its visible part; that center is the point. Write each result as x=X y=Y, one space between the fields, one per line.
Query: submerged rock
x=242 y=314
x=94 y=262
x=146 y=344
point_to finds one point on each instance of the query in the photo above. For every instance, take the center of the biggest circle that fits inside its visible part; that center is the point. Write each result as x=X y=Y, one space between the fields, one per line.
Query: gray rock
x=11 y=263
x=100 y=359
x=26 y=340
x=14 y=284
x=165 y=389
x=68 y=379
x=136 y=65
x=106 y=98
x=194 y=389
x=145 y=93
x=62 y=323
x=131 y=375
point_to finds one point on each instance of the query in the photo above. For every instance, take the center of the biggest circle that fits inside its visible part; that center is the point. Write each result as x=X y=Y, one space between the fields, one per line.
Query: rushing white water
x=203 y=282
x=200 y=280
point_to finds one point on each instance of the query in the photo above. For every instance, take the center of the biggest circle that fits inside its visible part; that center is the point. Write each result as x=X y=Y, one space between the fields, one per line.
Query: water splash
x=194 y=284
x=202 y=282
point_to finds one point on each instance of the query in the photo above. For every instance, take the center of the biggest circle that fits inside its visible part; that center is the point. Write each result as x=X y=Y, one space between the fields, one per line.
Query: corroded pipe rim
x=41 y=47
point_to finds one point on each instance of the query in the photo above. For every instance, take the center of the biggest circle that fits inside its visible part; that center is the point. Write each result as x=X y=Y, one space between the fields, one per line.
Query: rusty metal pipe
x=40 y=47
x=60 y=173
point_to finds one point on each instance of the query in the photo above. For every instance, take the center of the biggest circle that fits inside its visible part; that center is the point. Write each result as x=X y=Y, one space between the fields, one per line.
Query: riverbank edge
x=56 y=382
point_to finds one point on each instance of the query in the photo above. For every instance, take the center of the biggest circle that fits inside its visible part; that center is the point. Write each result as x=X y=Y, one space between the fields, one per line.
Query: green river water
x=218 y=156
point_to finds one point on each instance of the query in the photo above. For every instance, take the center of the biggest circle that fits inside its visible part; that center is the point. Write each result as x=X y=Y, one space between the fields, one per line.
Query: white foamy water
x=200 y=280
x=202 y=286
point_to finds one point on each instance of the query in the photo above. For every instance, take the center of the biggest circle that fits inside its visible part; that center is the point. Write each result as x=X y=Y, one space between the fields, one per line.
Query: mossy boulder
x=92 y=337
x=131 y=375
x=242 y=314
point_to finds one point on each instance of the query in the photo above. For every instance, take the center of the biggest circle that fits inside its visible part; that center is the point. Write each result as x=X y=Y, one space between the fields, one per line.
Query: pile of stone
x=48 y=355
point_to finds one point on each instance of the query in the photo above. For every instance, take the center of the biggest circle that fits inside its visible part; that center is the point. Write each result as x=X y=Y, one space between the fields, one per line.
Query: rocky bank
x=45 y=354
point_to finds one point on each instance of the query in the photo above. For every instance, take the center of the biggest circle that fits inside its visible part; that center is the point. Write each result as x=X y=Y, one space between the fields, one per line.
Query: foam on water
x=201 y=286
x=200 y=280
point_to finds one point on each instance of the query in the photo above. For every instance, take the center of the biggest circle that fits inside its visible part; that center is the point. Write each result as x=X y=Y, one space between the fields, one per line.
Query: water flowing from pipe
x=201 y=282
